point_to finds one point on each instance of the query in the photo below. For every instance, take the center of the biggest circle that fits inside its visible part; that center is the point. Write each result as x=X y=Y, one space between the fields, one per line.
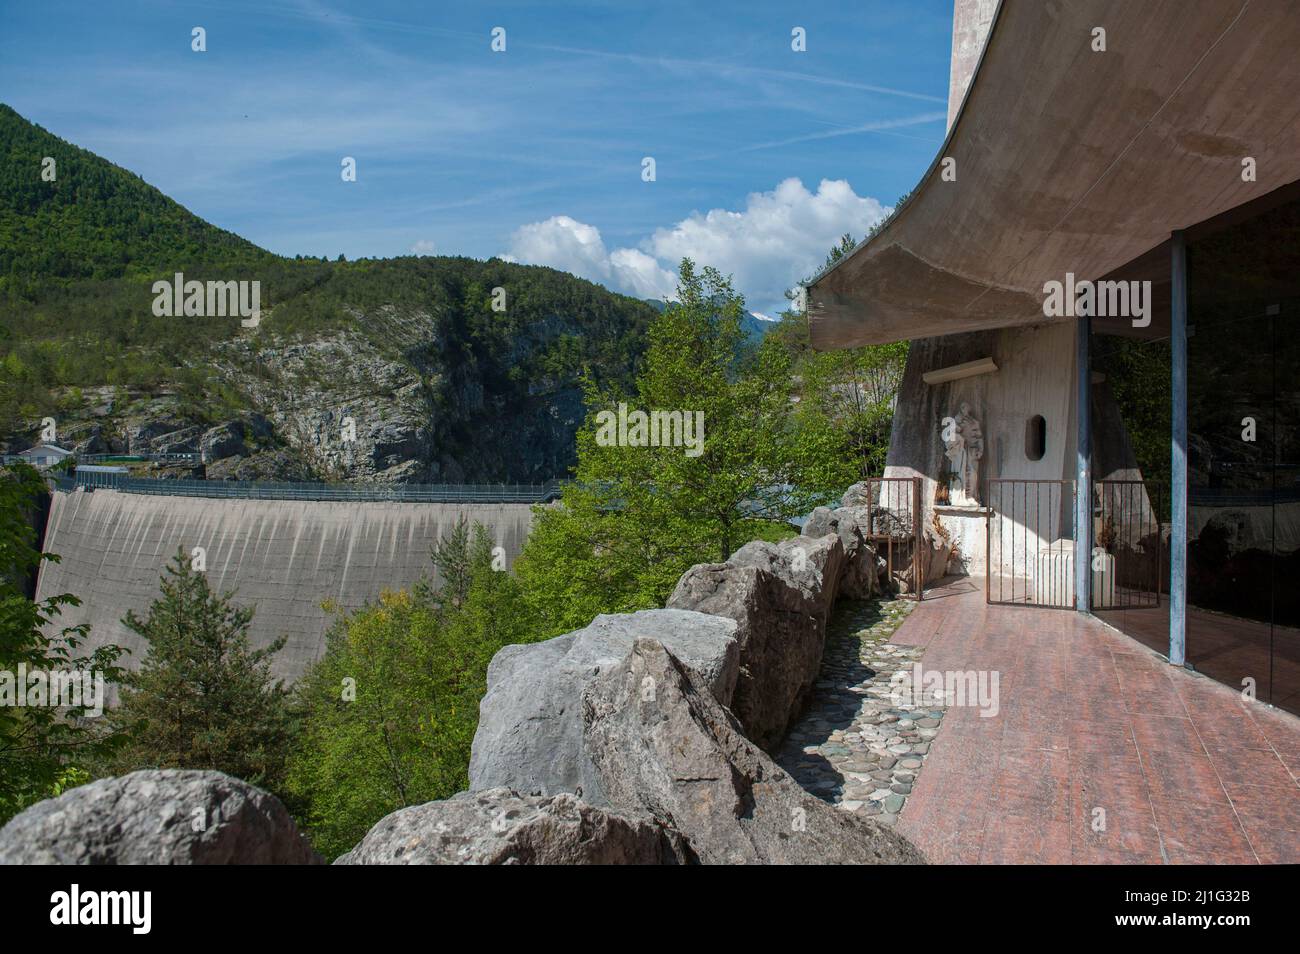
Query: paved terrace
x=1186 y=772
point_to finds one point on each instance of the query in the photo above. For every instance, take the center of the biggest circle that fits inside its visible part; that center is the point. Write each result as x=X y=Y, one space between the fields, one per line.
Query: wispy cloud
x=458 y=145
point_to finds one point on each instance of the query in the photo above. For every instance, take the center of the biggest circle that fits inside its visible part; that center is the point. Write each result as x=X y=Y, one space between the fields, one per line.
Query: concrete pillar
x=1178 y=462
x=971 y=20
x=1083 y=468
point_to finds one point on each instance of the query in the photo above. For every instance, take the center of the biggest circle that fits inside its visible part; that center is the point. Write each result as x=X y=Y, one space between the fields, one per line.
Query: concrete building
x=43 y=456
x=1118 y=193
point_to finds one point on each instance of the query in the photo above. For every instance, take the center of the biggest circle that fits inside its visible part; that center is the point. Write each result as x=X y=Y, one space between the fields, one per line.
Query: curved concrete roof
x=1070 y=160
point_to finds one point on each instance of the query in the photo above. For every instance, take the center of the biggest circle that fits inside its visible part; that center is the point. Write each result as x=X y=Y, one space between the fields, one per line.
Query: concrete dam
x=282 y=557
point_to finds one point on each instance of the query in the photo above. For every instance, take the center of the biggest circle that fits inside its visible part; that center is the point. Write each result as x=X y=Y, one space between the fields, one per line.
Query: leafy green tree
x=852 y=393
x=635 y=517
x=390 y=710
x=846 y=396
x=203 y=697
x=42 y=749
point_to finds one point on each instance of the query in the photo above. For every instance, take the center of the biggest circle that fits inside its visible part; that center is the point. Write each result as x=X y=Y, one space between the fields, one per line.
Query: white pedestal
x=1054 y=577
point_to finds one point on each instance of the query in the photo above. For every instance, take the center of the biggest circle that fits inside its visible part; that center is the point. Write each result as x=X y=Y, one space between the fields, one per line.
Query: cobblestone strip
x=854 y=747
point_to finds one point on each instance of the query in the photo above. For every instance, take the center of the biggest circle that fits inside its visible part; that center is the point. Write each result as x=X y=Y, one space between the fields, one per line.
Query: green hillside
x=95 y=220
x=78 y=257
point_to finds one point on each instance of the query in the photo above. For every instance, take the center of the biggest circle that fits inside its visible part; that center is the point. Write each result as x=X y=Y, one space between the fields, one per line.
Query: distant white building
x=43 y=456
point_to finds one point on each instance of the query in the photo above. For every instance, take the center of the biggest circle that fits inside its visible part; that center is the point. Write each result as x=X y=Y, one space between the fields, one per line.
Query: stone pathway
x=854 y=747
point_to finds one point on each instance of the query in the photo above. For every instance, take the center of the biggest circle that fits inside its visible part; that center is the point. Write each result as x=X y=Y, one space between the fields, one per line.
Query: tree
x=203 y=697
x=43 y=749
x=853 y=392
x=390 y=710
x=849 y=392
x=637 y=515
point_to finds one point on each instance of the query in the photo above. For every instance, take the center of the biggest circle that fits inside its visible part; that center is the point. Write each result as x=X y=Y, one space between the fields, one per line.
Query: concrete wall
x=283 y=557
x=971 y=20
x=1036 y=376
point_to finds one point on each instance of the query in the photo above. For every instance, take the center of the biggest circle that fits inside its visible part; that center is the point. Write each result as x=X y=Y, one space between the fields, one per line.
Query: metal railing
x=1029 y=545
x=1128 y=545
x=275 y=490
x=894 y=524
x=187 y=457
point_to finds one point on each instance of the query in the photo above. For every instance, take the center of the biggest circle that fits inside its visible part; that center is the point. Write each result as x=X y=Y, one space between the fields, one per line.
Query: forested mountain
x=444 y=378
x=95 y=219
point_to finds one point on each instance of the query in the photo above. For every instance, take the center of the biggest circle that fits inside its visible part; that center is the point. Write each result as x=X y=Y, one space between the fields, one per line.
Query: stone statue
x=964 y=447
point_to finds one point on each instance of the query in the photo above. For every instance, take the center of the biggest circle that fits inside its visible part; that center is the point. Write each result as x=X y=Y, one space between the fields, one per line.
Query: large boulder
x=780 y=640
x=860 y=494
x=157 y=817
x=501 y=827
x=663 y=745
x=865 y=572
x=529 y=736
x=812 y=565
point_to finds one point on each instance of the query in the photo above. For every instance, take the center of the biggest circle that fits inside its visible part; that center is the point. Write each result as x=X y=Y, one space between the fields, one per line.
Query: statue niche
x=963 y=443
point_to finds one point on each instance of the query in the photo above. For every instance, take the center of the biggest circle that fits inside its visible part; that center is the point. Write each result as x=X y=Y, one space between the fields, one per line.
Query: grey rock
x=865 y=573
x=937 y=551
x=810 y=564
x=779 y=636
x=501 y=827
x=858 y=495
x=88 y=439
x=150 y=817
x=224 y=440
x=529 y=735
x=819 y=523
x=183 y=441
x=141 y=438
x=664 y=745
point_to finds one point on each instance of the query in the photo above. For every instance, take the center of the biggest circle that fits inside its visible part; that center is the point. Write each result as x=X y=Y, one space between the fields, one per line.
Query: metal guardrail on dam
x=269 y=490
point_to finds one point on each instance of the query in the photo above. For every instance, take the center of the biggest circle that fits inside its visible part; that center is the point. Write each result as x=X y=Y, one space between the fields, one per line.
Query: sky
x=762 y=155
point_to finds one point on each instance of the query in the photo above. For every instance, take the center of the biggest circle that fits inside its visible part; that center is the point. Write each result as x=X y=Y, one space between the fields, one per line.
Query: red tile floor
x=1101 y=753
x=1226 y=648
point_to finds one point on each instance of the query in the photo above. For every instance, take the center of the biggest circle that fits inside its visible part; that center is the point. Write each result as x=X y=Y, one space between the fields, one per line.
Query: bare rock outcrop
x=529 y=735
x=812 y=565
x=779 y=636
x=865 y=572
x=664 y=746
x=501 y=827
x=157 y=817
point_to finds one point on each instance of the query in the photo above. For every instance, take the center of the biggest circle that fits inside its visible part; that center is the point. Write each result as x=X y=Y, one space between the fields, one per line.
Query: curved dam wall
x=283 y=557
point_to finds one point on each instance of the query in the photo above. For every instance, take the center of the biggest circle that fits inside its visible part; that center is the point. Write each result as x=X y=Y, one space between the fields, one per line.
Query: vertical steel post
x=918 y=571
x=1083 y=452
x=1178 y=461
x=988 y=545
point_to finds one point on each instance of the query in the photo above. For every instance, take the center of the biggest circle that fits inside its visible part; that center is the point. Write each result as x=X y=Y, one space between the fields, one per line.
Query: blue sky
x=763 y=155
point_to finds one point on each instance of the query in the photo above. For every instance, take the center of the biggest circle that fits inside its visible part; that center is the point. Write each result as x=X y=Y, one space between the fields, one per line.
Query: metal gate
x=1029 y=543
x=894 y=529
x=1127 y=545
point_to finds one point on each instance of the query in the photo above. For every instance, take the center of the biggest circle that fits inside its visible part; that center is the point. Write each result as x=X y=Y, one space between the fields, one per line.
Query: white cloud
x=778 y=239
x=565 y=243
x=423 y=247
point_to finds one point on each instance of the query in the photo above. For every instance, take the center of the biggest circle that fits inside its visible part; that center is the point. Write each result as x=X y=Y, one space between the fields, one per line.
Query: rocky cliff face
x=389 y=395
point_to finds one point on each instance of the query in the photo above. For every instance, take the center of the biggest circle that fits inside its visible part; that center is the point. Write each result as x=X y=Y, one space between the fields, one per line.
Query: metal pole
x=1083 y=455
x=1178 y=462
x=988 y=543
x=918 y=573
